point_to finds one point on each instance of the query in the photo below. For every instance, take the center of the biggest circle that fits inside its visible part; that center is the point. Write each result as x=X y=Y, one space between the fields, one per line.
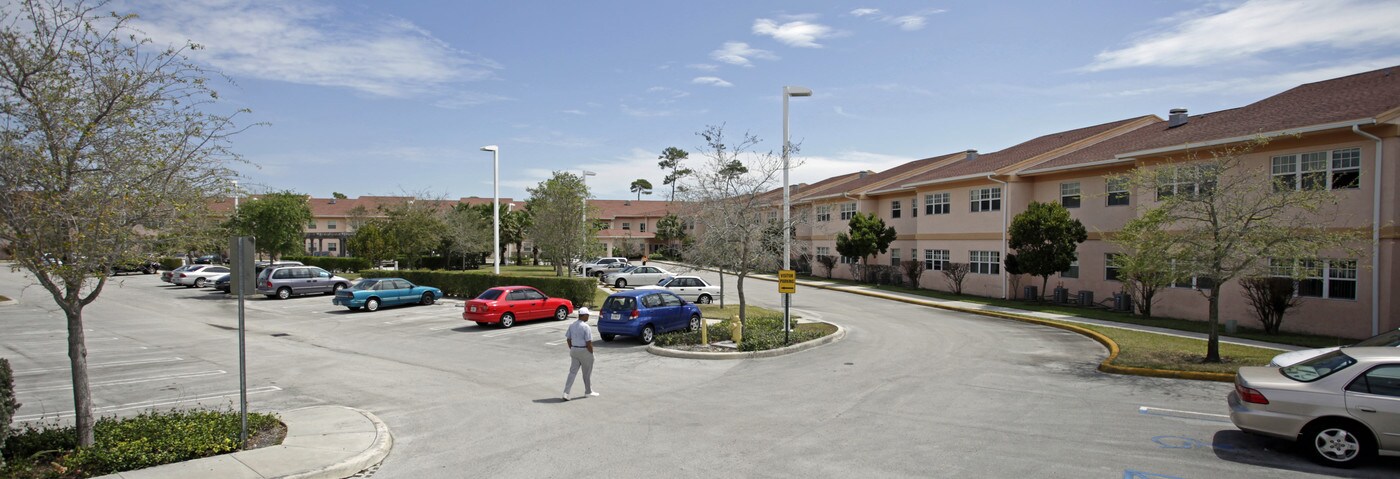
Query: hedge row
x=169 y=264
x=333 y=263
x=464 y=284
x=8 y=405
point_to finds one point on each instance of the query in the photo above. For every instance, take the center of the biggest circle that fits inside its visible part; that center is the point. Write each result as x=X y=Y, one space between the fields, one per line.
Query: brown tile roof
x=827 y=186
x=1355 y=97
x=610 y=209
x=987 y=163
x=871 y=181
x=331 y=207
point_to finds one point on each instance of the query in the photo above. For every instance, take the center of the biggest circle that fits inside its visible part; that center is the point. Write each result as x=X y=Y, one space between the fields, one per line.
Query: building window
x=1321 y=278
x=1110 y=266
x=1069 y=194
x=986 y=199
x=311 y=225
x=642 y=227
x=894 y=209
x=848 y=211
x=1073 y=271
x=823 y=251
x=824 y=213
x=1192 y=281
x=330 y=246
x=935 y=259
x=894 y=256
x=1117 y=191
x=627 y=226
x=1188 y=181
x=985 y=262
x=1335 y=170
x=330 y=225
x=849 y=260
x=937 y=203
x=914 y=207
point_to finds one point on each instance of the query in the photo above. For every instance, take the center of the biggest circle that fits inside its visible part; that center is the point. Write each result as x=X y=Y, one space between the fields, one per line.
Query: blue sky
x=391 y=97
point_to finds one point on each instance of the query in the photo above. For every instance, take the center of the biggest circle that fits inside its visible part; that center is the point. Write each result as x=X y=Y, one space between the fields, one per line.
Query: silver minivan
x=284 y=282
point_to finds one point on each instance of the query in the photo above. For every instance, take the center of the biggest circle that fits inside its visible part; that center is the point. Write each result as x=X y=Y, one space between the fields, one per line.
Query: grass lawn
x=1157 y=351
x=1304 y=340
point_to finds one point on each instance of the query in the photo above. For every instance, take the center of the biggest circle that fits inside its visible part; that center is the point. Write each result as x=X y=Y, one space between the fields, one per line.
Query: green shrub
x=470 y=284
x=167 y=263
x=657 y=256
x=8 y=405
x=332 y=263
x=764 y=331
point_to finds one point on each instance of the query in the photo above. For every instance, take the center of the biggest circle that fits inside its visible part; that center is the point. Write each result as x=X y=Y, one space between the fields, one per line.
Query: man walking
x=580 y=340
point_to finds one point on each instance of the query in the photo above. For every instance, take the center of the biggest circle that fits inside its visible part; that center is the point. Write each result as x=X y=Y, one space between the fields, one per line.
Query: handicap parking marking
x=146 y=404
x=1173 y=413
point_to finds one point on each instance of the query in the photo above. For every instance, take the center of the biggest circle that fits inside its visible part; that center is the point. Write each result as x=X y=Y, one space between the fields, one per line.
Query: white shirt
x=579 y=334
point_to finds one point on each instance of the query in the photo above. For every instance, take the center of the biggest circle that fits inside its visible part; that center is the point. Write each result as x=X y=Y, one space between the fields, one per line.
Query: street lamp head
x=490 y=148
x=797 y=91
x=589 y=173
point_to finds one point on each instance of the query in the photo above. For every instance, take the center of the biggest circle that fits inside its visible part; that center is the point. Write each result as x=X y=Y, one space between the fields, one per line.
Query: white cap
x=584 y=312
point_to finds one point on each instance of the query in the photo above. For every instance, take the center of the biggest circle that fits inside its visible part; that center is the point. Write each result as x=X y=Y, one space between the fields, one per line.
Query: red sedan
x=508 y=304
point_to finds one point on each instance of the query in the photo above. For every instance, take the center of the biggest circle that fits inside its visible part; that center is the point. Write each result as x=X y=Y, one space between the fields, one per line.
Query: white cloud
x=668 y=92
x=861 y=12
x=556 y=139
x=1264 y=84
x=797 y=33
x=818 y=168
x=909 y=22
x=842 y=111
x=739 y=53
x=314 y=44
x=463 y=99
x=713 y=81
x=641 y=112
x=1260 y=26
x=574 y=112
x=704 y=67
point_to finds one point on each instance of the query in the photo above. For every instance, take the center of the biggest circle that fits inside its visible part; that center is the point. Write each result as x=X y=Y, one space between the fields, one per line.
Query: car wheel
x=428 y=299
x=1337 y=444
x=284 y=293
x=336 y=289
x=608 y=337
x=561 y=313
x=199 y=282
x=621 y=283
x=695 y=322
x=507 y=320
x=372 y=304
x=648 y=334
x=704 y=299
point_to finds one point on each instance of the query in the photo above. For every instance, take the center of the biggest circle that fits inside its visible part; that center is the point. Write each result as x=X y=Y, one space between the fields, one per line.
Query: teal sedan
x=372 y=293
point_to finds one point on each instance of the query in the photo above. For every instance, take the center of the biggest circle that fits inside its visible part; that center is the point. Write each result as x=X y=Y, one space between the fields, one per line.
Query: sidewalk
x=976 y=308
x=322 y=442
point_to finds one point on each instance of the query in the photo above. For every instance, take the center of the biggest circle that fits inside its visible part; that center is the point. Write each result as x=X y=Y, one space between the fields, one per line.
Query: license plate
x=617 y=317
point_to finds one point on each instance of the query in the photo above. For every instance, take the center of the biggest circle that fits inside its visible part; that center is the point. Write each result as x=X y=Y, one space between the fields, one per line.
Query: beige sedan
x=1341 y=407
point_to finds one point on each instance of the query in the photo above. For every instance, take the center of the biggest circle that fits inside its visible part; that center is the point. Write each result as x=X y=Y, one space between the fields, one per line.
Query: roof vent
x=863 y=173
x=1177 y=117
x=971 y=155
x=332 y=200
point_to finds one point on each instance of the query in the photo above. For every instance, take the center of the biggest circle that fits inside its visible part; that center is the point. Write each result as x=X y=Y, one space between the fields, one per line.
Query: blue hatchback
x=644 y=313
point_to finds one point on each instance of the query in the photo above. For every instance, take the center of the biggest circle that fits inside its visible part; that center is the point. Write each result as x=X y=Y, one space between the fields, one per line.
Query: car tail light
x=636 y=314
x=1250 y=395
x=269 y=285
x=182 y=275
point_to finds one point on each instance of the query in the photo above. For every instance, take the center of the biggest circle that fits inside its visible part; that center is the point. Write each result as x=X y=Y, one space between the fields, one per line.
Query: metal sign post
x=242 y=248
x=787 y=284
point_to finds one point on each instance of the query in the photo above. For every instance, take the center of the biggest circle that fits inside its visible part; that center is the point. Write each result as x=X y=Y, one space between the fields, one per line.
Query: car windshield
x=620 y=303
x=490 y=294
x=1389 y=339
x=665 y=281
x=365 y=285
x=1318 y=367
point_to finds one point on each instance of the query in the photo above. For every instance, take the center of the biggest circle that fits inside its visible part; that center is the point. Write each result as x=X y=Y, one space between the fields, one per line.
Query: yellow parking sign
x=787 y=281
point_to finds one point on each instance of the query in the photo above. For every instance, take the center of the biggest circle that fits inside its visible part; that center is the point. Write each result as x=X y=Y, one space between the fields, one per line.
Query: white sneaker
x=566 y=396
x=593 y=394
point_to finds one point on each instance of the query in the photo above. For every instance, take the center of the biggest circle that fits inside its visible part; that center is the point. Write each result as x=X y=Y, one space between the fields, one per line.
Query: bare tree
x=1271 y=298
x=726 y=195
x=913 y=269
x=105 y=138
x=955 y=273
x=828 y=262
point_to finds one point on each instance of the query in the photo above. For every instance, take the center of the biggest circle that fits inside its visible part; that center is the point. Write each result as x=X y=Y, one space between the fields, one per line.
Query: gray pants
x=580 y=357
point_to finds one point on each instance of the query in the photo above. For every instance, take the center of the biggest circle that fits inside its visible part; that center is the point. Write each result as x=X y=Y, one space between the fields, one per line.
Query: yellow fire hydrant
x=736 y=329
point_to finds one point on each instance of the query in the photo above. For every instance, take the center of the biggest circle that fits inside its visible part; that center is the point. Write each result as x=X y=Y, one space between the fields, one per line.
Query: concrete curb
x=323 y=442
x=783 y=351
x=1106 y=365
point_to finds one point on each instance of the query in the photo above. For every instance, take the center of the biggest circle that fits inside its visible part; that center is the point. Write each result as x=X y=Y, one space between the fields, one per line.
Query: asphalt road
x=911 y=391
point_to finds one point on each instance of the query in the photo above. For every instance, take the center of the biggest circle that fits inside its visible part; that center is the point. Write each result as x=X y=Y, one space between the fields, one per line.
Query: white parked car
x=636 y=275
x=690 y=288
x=600 y=266
x=198 y=275
x=1387 y=339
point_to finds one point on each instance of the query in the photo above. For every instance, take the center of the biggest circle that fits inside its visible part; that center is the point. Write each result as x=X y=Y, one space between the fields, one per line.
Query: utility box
x=1061 y=295
x=1086 y=297
x=1031 y=294
x=1122 y=302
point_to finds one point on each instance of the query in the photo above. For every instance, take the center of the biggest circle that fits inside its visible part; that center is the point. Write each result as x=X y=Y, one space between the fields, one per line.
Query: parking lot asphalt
x=911 y=391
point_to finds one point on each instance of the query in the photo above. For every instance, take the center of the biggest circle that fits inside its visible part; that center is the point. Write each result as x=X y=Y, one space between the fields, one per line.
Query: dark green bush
x=464 y=284
x=763 y=332
x=332 y=263
x=8 y=405
x=147 y=440
x=167 y=263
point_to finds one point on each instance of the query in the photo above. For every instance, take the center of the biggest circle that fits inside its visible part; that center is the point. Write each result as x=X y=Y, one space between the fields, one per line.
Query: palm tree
x=640 y=187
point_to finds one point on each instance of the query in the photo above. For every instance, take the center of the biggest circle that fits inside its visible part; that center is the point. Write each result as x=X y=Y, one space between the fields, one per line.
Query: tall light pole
x=788 y=92
x=584 y=244
x=235 y=196
x=495 y=206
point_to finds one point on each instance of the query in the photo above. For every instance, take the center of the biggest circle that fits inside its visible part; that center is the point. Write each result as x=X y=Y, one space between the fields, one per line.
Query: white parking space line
x=199 y=374
x=56 y=331
x=521 y=331
x=101 y=365
x=51 y=341
x=143 y=405
x=1154 y=411
x=420 y=317
x=451 y=326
